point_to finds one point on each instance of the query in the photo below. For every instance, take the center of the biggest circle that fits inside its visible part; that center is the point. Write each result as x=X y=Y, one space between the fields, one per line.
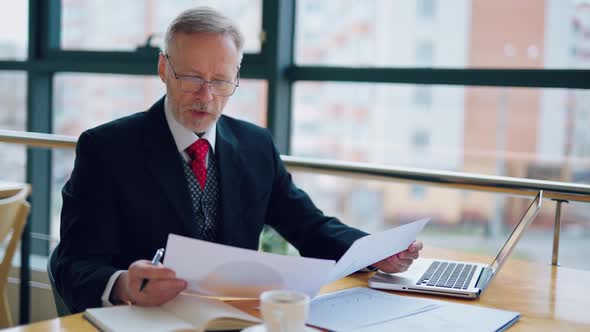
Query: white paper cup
x=284 y=310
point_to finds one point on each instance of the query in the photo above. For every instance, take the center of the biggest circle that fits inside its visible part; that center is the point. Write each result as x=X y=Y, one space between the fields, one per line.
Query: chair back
x=13 y=217
x=60 y=306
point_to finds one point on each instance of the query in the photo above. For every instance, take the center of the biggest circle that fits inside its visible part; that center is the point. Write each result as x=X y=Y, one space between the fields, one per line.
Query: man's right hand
x=162 y=285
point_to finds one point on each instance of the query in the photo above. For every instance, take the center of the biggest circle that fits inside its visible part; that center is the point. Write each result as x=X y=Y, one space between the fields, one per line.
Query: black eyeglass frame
x=201 y=81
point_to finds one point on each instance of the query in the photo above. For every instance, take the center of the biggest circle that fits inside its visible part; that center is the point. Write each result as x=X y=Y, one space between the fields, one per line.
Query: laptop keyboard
x=448 y=275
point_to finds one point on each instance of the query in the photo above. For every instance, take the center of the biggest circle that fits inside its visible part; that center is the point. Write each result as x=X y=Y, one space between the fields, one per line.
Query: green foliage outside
x=271 y=241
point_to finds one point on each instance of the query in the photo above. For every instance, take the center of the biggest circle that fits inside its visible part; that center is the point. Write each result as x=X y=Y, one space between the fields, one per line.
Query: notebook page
x=208 y=313
x=126 y=318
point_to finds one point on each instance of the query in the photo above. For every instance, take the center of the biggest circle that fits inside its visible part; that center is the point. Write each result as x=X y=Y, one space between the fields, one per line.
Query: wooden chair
x=13 y=217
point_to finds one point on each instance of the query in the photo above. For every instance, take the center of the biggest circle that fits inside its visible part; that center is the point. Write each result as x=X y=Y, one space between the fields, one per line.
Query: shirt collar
x=184 y=137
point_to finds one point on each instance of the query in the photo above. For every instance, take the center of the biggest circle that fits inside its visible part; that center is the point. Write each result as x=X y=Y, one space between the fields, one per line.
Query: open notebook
x=184 y=313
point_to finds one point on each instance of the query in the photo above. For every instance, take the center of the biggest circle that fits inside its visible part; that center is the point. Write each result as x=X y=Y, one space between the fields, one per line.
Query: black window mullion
x=39 y=119
x=43 y=33
x=278 y=21
x=52 y=23
x=14 y=65
x=540 y=78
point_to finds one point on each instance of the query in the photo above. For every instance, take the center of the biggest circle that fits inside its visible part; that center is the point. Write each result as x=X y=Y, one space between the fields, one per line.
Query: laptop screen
x=517 y=233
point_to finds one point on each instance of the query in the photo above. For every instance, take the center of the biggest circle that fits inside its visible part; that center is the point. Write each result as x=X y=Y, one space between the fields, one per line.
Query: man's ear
x=162 y=67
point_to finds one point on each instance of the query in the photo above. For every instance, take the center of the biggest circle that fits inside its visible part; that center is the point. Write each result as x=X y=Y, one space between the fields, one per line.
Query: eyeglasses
x=194 y=83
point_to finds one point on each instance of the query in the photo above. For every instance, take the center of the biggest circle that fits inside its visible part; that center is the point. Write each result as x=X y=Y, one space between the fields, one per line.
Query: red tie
x=198 y=152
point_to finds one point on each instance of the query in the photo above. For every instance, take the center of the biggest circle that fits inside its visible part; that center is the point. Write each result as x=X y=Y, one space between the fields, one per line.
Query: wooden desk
x=8 y=189
x=548 y=298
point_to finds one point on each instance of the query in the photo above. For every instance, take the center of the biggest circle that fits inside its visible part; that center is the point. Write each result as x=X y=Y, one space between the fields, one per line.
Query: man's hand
x=401 y=261
x=162 y=285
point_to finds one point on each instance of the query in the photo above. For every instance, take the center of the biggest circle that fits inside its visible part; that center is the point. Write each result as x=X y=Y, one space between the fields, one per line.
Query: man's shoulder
x=118 y=129
x=126 y=123
x=128 y=126
x=119 y=135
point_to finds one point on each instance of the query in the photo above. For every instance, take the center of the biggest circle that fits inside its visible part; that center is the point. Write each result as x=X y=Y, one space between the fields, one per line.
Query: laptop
x=455 y=278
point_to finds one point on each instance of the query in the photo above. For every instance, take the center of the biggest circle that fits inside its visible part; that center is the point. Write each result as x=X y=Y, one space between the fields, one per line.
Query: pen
x=155 y=260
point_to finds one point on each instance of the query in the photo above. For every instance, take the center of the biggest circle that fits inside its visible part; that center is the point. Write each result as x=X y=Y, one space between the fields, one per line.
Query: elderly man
x=182 y=167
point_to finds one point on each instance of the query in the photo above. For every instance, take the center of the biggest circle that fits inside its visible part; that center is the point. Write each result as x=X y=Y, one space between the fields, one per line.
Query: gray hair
x=206 y=20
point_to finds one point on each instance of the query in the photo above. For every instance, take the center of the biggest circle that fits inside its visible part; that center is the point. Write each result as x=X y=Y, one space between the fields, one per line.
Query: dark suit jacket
x=127 y=192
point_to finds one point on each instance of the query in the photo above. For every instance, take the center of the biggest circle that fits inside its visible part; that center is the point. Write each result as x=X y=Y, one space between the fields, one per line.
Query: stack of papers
x=369 y=310
x=356 y=308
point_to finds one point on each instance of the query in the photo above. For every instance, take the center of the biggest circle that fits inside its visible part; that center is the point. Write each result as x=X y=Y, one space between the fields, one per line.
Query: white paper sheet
x=362 y=307
x=375 y=247
x=220 y=270
x=450 y=317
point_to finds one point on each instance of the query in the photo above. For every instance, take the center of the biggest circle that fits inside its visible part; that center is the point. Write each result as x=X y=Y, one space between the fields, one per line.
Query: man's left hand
x=401 y=261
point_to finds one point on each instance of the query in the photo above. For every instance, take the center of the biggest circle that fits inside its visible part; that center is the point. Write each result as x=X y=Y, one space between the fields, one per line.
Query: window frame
x=274 y=63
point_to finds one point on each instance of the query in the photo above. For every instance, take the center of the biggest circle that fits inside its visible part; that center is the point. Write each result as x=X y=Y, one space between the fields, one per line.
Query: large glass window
x=14 y=30
x=123 y=25
x=12 y=117
x=83 y=101
x=459 y=34
x=519 y=132
x=465 y=220
x=470 y=221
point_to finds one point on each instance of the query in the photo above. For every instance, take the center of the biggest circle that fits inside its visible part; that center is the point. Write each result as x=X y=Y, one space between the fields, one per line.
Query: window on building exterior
x=422 y=97
x=424 y=53
x=426 y=9
x=420 y=140
x=418 y=192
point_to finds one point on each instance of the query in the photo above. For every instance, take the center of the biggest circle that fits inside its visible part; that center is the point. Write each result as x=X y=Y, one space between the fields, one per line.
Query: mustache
x=201 y=107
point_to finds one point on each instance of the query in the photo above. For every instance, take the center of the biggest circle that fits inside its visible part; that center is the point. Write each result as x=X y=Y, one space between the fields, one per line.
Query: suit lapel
x=230 y=173
x=165 y=165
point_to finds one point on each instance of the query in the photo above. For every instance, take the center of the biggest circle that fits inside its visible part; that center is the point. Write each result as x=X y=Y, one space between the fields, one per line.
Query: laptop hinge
x=484 y=278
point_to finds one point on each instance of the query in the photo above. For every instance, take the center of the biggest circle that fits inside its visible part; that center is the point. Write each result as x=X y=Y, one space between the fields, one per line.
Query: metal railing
x=560 y=192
